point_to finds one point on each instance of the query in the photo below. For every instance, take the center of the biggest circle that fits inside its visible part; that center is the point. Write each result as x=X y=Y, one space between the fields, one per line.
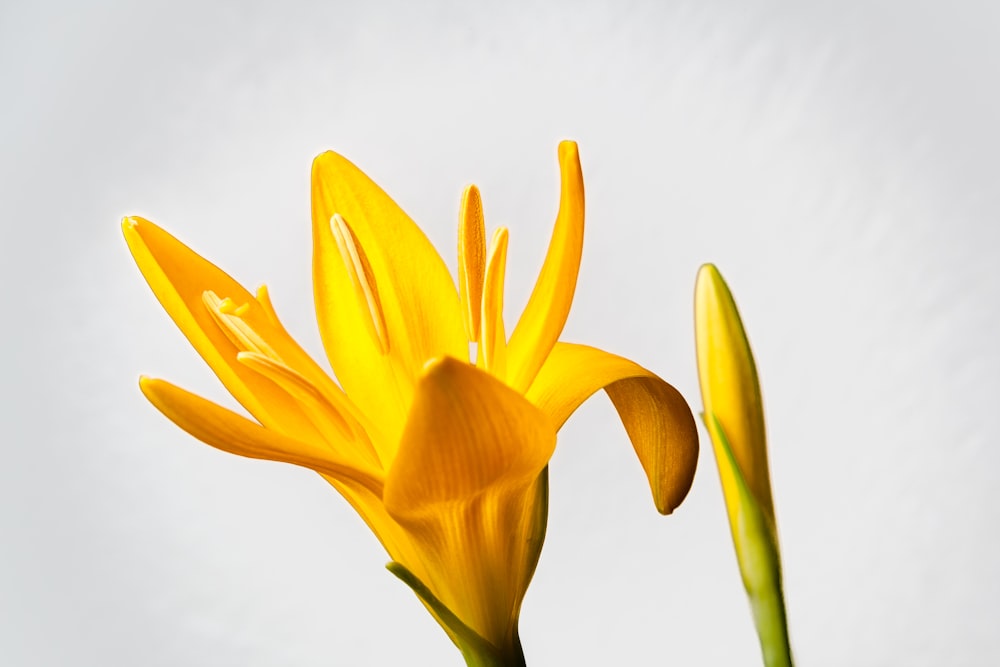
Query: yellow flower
x=734 y=416
x=444 y=459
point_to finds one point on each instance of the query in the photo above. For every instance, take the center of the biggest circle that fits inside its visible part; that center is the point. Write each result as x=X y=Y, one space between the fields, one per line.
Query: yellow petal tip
x=431 y=365
x=147 y=385
x=708 y=278
x=708 y=270
x=567 y=149
x=441 y=364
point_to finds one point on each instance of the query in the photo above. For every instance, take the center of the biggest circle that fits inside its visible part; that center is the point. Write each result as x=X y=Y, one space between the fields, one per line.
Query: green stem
x=769 y=617
x=477 y=650
x=491 y=656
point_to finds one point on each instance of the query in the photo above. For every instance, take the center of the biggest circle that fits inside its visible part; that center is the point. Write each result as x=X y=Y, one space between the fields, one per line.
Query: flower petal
x=466 y=432
x=368 y=375
x=417 y=295
x=655 y=415
x=728 y=377
x=464 y=485
x=183 y=281
x=228 y=431
x=548 y=307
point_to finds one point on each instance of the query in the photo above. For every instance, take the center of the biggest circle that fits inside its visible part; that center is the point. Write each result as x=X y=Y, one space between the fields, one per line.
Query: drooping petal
x=181 y=279
x=462 y=483
x=228 y=431
x=548 y=307
x=656 y=417
x=729 y=386
x=417 y=294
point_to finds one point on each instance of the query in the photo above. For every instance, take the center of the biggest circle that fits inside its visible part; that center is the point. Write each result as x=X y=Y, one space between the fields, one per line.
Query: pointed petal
x=421 y=307
x=228 y=431
x=655 y=415
x=180 y=279
x=463 y=485
x=548 y=307
x=728 y=378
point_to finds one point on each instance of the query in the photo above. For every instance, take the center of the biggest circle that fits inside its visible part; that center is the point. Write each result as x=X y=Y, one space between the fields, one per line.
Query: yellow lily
x=444 y=458
x=734 y=416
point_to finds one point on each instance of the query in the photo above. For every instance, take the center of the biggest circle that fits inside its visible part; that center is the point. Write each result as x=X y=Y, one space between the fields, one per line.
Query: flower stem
x=769 y=617
x=490 y=656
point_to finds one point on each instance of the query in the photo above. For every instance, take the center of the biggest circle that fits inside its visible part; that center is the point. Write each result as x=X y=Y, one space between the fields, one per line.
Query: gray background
x=837 y=160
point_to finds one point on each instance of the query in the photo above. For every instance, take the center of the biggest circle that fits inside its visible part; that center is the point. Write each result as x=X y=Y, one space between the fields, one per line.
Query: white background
x=837 y=160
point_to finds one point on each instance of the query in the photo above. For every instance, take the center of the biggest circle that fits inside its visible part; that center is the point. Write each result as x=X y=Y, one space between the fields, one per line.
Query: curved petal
x=228 y=431
x=421 y=307
x=548 y=307
x=656 y=417
x=466 y=432
x=729 y=386
x=463 y=485
x=180 y=279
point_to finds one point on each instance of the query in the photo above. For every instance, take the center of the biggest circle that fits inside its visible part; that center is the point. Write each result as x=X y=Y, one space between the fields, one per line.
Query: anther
x=228 y=316
x=493 y=344
x=227 y=306
x=471 y=259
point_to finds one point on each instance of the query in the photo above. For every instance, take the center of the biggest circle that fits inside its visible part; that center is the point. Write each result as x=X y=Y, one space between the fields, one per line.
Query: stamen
x=227 y=315
x=320 y=410
x=471 y=259
x=329 y=413
x=361 y=275
x=493 y=344
x=331 y=392
x=227 y=306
